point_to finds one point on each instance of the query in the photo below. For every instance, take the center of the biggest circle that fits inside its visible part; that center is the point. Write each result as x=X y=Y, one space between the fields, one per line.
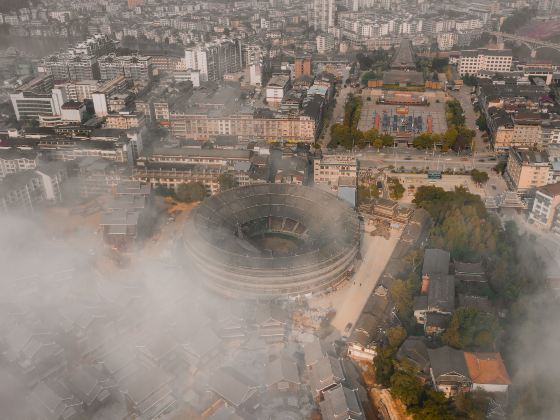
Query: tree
x=500 y=167
x=479 y=177
x=470 y=327
x=396 y=190
x=388 y=140
x=377 y=143
x=473 y=405
x=402 y=294
x=407 y=388
x=434 y=407
x=227 y=182
x=396 y=336
x=424 y=141
x=383 y=364
x=369 y=75
x=193 y=191
x=481 y=123
x=164 y=191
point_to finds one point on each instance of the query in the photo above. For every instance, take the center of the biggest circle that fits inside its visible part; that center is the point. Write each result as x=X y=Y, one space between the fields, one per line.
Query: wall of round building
x=227 y=262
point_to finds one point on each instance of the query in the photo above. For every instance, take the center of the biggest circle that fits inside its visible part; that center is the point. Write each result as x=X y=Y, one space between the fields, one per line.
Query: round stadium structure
x=272 y=240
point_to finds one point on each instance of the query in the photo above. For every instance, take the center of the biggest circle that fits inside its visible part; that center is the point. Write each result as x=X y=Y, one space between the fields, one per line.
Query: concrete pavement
x=376 y=252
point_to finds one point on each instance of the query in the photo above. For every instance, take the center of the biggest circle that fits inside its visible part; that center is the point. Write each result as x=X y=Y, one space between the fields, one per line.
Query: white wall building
x=473 y=61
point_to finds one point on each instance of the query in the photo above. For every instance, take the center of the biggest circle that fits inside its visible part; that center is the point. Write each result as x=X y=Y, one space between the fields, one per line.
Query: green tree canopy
x=407 y=388
x=469 y=327
x=480 y=177
x=193 y=191
x=227 y=181
x=396 y=189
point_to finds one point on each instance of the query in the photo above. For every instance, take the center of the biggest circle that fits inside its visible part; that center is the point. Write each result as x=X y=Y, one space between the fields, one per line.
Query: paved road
x=422 y=159
x=338 y=113
x=376 y=252
x=464 y=97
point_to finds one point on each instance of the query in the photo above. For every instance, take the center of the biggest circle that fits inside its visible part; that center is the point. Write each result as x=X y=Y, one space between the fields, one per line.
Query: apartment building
x=323 y=15
x=254 y=125
x=215 y=59
x=135 y=67
x=526 y=131
x=527 y=170
x=544 y=213
x=37 y=98
x=21 y=192
x=325 y=43
x=473 y=61
x=302 y=67
x=171 y=167
x=276 y=89
x=16 y=160
x=124 y=120
x=329 y=169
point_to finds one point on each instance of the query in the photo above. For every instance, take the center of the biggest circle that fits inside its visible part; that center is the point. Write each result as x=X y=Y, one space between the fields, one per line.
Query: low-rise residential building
x=449 y=371
x=21 y=192
x=329 y=169
x=487 y=372
x=544 y=213
x=527 y=170
x=341 y=403
x=124 y=120
x=15 y=160
x=276 y=89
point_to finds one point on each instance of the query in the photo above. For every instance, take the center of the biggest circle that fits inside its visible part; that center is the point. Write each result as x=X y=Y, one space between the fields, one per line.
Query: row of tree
x=457 y=137
x=347 y=135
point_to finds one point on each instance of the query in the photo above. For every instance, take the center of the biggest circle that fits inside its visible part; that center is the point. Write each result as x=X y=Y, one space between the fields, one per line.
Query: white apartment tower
x=215 y=59
x=323 y=14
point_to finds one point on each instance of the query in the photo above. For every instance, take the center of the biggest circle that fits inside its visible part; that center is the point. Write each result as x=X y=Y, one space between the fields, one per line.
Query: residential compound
x=517 y=113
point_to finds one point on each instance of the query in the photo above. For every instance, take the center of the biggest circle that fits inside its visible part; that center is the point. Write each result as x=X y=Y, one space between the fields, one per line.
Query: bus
x=434 y=175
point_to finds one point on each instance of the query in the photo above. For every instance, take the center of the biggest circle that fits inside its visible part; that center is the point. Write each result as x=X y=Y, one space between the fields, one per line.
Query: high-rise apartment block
x=135 y=67
x=215 y=59
x=323 y=14
x=302 y=67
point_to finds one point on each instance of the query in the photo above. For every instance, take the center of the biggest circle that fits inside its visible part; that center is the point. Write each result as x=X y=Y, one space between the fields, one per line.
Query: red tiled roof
x=551 y=190
x=487 y=368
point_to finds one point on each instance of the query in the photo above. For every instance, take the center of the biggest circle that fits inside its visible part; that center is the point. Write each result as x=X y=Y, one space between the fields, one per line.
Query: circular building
x=272 y=240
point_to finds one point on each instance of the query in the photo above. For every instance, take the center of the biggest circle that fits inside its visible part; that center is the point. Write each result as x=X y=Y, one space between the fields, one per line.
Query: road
x=338 y=112
x=376 y=252
x=412 y=158
x=464 y=97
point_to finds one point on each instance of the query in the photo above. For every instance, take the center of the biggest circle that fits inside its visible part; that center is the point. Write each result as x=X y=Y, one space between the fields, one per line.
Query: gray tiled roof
x=436 y=261
x=341 y=403
x=445 y=360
